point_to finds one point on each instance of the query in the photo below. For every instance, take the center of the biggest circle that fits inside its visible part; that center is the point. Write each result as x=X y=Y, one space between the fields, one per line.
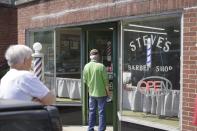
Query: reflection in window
x=152 y=69
x=68 y=54
x=68 y=71
x=46 y=39
x=65 y=80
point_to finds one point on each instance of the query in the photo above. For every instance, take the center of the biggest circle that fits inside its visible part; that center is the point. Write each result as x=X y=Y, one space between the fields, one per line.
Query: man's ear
x=25 y=61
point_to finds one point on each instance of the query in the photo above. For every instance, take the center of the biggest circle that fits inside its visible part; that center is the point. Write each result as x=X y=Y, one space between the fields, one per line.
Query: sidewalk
x=83 y=128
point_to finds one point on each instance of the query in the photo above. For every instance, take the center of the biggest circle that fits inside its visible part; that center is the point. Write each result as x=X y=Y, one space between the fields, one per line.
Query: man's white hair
x=16 y=54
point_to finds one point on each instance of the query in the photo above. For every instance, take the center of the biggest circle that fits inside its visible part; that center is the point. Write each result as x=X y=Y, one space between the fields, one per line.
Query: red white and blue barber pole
x=109 y=53
x=149 y=53
x=38 y=61
x=109 y=67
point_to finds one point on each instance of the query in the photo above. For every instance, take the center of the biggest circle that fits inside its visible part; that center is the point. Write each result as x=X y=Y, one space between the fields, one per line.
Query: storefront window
x=68 y=65
x=151 y=70
x=68 y=54
x=62 y=70
x=46 y=38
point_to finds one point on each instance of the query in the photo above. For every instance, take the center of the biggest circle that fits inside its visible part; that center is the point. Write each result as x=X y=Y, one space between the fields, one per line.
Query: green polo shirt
x=96 y=78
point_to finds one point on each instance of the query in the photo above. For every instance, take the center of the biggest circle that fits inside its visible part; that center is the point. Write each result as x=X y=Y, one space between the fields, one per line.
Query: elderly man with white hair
x=19 y=83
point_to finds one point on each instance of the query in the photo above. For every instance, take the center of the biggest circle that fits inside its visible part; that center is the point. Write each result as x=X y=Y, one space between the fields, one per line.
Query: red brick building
x=70 y=28
x=8 y=28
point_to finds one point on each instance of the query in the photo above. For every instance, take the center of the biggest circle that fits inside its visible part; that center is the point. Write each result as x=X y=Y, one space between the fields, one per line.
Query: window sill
x=147 y=123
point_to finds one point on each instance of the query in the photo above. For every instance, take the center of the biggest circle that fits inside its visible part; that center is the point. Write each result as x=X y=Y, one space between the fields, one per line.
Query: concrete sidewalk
x=83 y=128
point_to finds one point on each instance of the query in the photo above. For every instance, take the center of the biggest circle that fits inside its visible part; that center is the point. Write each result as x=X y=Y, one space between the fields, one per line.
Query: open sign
x=156 y=83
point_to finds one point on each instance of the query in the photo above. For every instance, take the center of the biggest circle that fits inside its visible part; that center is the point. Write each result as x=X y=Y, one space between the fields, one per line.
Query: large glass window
x=68 y=53
x=62 y=70
x=151 y=70
x=46 y=38
x=68 y=65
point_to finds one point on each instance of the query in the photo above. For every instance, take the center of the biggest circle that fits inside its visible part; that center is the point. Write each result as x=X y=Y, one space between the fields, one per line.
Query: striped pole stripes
x=109 y=51
x=38 y=61
x=149 y=53
x=37 y=64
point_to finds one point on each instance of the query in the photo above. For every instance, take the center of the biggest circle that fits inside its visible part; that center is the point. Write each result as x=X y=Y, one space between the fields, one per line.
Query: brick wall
x=189 y=67
x=65 y=12
x=8 y=29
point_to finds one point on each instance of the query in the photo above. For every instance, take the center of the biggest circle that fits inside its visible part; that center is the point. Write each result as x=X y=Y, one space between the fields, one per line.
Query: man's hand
x=107 y=92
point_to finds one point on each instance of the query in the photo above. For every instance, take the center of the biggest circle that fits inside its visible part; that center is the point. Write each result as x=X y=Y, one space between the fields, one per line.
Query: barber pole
x=37 y=64
x=108 y=51
x=149 y=53
x=38 y=61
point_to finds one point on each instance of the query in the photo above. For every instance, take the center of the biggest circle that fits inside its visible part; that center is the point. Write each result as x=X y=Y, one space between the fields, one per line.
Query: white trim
x=121 y=62
x=54 y=62
x=181 y=74
x=121 y=71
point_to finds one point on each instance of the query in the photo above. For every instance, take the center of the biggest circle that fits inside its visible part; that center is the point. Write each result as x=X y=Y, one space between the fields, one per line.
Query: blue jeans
x=93 y=103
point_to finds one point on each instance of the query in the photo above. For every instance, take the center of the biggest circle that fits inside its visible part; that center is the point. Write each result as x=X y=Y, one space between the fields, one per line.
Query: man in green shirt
x=96 y=78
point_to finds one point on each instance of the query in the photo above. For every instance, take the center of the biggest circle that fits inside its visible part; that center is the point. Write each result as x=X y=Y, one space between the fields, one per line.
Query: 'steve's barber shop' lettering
x=158 y=41
x=146 y=68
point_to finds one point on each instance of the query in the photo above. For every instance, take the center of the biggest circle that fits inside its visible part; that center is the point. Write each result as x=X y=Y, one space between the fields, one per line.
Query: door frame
x=84 y=60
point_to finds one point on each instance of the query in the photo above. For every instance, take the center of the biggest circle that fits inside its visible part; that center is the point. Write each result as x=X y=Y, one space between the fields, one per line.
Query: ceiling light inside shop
x=147 y=27
x=149 y=32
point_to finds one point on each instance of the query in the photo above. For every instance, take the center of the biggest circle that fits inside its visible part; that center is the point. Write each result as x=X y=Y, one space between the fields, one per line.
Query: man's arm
x=40 y=93
x=48 y=99
x=106 y=80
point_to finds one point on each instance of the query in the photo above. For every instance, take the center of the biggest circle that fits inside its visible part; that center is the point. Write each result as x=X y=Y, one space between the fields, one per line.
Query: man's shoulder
x=95 y=64
x=101 y=64
x=89 y=64
x=26 y=75
x=16 y=74
x=86 y=65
